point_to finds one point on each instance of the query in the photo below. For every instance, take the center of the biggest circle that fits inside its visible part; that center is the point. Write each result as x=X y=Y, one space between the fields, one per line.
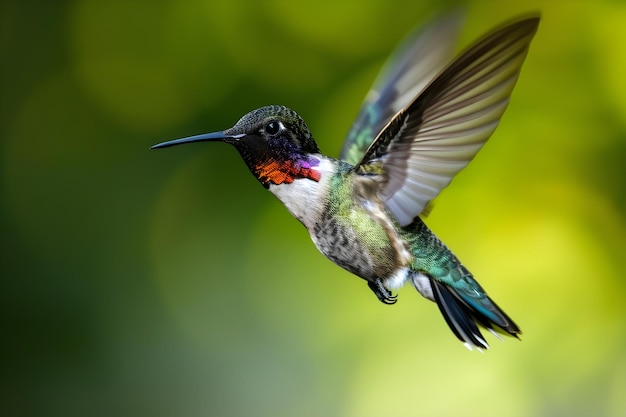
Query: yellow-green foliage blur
x=170 y=283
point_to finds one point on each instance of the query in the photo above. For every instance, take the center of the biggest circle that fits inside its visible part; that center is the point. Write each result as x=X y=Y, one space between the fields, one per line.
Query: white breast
x=305 y=198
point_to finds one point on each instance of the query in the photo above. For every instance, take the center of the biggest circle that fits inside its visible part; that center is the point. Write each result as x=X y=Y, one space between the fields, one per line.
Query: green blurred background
x=170 y=283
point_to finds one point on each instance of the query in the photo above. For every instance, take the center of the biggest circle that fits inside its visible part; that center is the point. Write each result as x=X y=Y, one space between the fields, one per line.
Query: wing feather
x=428 y=142
x=407 y=72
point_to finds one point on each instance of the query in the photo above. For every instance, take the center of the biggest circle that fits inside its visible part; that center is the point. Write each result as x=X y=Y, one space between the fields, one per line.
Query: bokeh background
x=170 y=283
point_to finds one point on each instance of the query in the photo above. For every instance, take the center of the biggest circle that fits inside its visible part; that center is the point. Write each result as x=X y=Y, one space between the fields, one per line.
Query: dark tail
x=463 y=314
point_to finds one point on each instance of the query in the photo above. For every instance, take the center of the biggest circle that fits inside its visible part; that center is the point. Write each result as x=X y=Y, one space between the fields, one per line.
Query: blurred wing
x=425 y=145
x=418 y=59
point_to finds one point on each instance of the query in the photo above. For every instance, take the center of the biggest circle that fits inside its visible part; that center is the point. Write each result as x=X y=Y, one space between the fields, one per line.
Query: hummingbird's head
x=277 y=126
x=273 y=141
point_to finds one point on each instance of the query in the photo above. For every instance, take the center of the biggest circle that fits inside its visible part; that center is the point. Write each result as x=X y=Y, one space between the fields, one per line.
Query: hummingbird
x=425 y=118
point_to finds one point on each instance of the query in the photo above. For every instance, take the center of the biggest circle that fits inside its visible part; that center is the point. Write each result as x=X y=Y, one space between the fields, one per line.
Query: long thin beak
x=207 y=137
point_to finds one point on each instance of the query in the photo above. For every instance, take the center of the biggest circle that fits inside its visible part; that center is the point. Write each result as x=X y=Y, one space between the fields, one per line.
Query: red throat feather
x=285 y=172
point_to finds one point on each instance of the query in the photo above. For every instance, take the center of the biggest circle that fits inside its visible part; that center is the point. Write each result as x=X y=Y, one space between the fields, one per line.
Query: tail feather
x=463 y=314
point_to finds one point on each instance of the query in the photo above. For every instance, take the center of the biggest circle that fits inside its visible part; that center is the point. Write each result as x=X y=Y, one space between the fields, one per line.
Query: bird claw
x=383 y=294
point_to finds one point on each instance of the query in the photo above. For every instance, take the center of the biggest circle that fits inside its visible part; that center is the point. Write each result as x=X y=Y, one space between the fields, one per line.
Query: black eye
x=272 y=128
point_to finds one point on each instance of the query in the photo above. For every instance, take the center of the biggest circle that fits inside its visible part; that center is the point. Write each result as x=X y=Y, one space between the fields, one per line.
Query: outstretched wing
x=427 y=143
x=412 y=66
